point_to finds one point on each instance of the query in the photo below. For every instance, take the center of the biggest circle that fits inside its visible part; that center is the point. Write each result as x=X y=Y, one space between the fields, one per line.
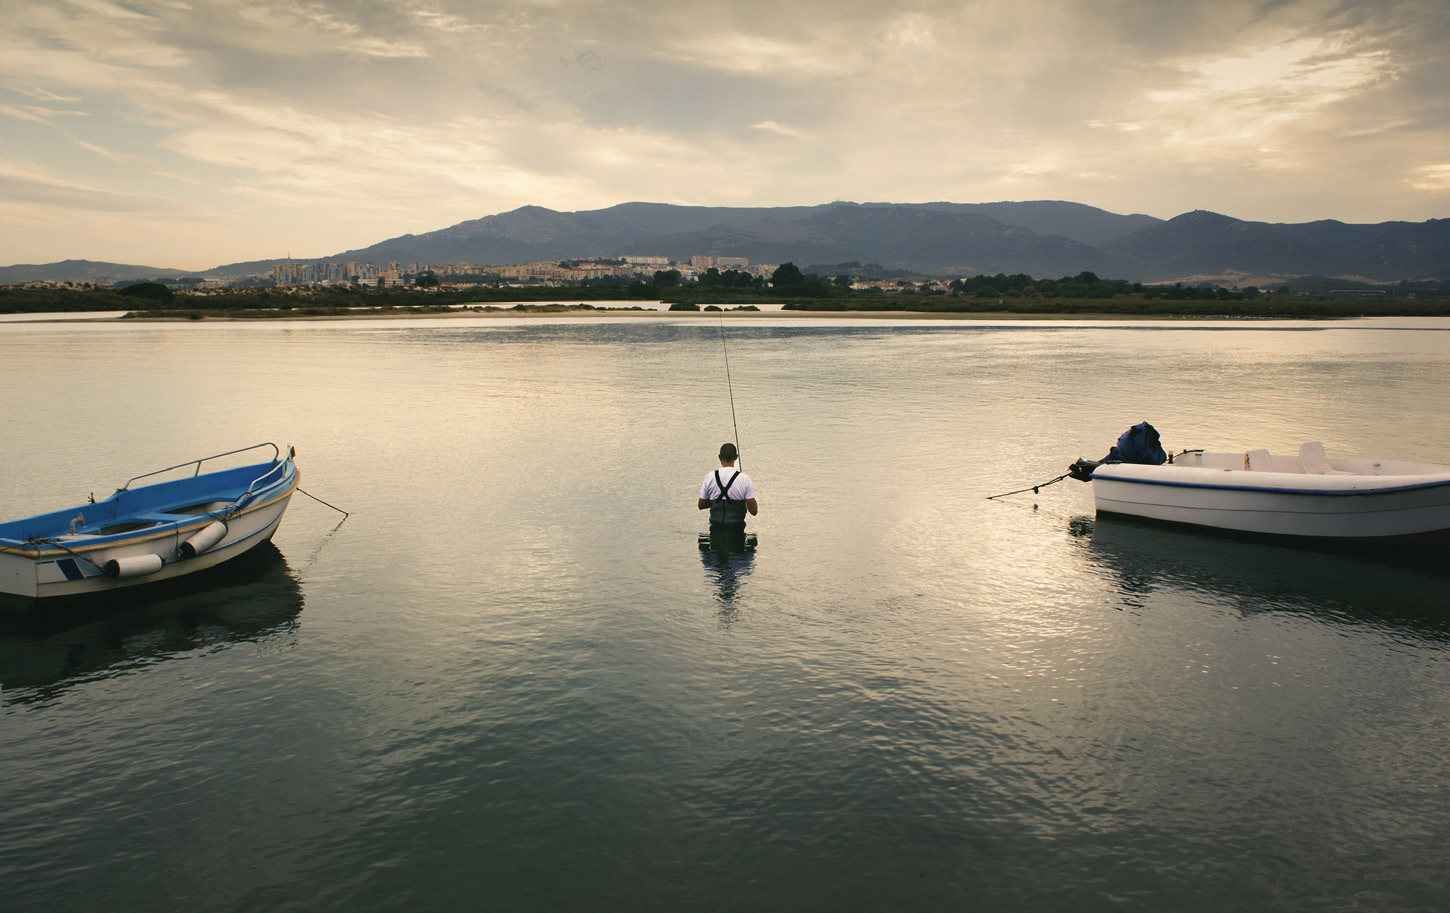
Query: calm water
x=514 y=680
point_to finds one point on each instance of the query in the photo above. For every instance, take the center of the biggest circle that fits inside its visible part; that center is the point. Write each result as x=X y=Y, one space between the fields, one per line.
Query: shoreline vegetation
x=1084 y=296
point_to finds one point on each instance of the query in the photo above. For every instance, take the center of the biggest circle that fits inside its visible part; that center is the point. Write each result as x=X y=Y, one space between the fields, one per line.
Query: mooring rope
x=314 y=497
x=45 y=540
x=1031 y=488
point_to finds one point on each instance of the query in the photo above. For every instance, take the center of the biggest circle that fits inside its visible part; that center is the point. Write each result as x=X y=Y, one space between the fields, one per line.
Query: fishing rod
x=731 y=387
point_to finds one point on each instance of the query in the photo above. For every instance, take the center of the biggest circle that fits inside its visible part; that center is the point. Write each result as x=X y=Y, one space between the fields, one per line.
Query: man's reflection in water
x=727 y=555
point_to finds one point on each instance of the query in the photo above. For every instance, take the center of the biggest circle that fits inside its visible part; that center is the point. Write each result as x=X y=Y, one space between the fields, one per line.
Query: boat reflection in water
x=728 y=556
x=1402 y=587
x=48 y=649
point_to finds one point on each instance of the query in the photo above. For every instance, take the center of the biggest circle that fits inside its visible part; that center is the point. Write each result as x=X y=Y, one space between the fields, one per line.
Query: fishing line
x=731 y=387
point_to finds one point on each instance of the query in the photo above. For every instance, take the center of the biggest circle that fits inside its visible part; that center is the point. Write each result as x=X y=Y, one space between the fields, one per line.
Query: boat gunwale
x=1264 y=489
x=163 y=529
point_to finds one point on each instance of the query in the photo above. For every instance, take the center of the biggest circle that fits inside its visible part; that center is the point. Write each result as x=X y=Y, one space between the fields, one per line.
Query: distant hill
x=1209 y=244
x=532 y=233
x=1051 y=238
x=84 y=271
x=1086 y=224
x=1042 y=238
x=931 y=240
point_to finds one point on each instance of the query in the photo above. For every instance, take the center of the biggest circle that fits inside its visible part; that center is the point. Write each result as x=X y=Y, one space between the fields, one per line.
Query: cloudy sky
x=192 y=133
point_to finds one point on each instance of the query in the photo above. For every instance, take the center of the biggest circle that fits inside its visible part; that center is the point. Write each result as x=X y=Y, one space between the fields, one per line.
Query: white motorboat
x=1306 y=494
x=149 y=533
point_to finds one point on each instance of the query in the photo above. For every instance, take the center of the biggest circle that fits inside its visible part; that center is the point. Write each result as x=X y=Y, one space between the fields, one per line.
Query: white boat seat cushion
x=1257 y=460
x=1314 y=460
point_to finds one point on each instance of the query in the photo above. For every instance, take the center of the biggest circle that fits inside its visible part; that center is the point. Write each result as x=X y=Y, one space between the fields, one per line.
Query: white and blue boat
x=1306 y=494
x=148 y=533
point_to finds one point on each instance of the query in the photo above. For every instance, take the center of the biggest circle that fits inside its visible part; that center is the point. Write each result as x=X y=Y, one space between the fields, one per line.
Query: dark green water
x=514 y=680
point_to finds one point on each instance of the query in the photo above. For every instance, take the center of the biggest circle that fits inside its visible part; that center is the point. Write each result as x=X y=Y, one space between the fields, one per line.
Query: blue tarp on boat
x=1139 y=444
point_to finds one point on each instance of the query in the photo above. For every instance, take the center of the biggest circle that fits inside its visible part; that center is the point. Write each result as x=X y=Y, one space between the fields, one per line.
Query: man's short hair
x=728 y=452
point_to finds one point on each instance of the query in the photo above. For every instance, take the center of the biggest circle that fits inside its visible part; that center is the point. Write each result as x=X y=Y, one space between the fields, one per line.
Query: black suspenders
x=725 y=489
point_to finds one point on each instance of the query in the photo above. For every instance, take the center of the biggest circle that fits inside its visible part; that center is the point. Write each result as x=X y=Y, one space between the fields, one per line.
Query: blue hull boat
x=148 y=533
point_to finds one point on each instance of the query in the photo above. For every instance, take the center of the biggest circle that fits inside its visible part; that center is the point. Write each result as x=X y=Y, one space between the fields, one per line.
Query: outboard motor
x=1082 y=470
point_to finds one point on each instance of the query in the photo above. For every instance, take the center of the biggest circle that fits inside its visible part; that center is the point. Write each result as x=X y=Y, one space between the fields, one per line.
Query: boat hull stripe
x=1317 y=492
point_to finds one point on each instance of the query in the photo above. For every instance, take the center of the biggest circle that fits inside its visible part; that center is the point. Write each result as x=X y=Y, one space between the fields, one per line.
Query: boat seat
x=1258 y=460
x=1315 y=462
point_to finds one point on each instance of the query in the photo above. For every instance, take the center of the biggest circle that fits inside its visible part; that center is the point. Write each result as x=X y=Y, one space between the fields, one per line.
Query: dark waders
x=724 y=511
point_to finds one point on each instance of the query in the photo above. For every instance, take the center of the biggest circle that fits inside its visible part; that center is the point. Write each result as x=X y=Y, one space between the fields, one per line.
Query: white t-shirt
x=742 y=489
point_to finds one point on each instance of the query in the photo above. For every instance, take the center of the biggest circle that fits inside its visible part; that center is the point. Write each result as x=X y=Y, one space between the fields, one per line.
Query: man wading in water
x=728 y=493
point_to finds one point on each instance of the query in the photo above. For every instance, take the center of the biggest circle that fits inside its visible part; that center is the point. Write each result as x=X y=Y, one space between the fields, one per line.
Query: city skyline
x=186 y=136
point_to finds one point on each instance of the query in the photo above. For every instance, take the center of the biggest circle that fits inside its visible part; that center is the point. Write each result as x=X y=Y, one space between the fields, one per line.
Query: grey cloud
x=576 y=103
x=23 y=189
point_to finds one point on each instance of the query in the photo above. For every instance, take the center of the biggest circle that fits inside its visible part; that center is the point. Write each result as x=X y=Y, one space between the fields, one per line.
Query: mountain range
x=943 y=240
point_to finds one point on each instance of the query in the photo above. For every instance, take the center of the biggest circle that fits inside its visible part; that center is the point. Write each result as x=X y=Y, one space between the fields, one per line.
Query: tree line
x=788 y=285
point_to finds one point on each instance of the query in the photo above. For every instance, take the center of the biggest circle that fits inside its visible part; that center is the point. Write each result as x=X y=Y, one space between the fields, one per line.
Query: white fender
x=204 y=539
x=133 y=566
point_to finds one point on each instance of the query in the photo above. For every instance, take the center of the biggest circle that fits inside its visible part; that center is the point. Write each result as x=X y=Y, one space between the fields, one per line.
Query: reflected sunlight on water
x=516 y=671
